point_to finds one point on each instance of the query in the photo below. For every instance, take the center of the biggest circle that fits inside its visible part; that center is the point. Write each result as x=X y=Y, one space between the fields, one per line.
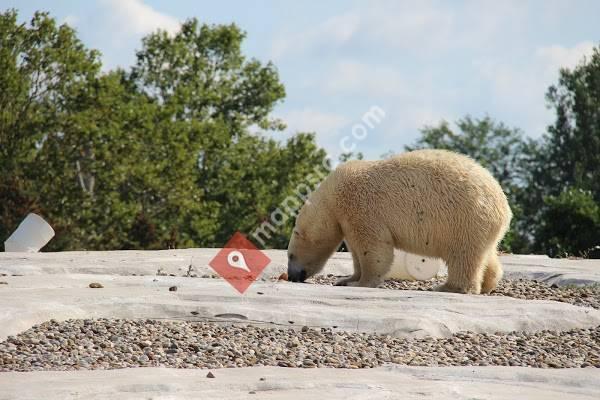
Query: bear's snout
x=295 y=272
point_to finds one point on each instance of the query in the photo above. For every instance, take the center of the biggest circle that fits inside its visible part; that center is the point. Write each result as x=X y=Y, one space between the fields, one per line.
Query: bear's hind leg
x=375 y=263
x=357 y=270
x=493 y=272
x=465 y=272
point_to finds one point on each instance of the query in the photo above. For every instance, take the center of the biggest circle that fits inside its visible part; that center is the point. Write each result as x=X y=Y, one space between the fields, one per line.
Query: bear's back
x=423 y=193
x=443 y=171
x=426 y=168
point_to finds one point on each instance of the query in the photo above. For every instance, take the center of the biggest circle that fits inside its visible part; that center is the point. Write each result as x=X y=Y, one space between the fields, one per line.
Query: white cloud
x=355 y=77
x=333 y=32
x=431 y=60
x=556 y=57
x=310 y=120
x=424 y=26
x=518 y=88
x=419 y=25
x=71 y=20
x=399 y=25
x=135 y=17
x=406 y=120
x=534 y=76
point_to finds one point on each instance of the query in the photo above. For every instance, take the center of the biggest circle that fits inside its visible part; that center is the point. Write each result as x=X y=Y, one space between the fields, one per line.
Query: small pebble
x=173 y=289
x=586 y=296
x=96 y=285
x=210 y=375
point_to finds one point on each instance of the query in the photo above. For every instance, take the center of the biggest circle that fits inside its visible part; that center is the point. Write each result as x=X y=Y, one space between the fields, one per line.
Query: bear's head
x=315 y=237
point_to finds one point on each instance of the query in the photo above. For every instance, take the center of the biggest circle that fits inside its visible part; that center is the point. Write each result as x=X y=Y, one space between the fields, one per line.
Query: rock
x=95 y=285
x=173 y=289
x=210 y=375
x=414 y=382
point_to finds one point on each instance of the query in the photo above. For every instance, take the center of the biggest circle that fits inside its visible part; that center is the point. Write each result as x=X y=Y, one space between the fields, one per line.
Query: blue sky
x=420 y=62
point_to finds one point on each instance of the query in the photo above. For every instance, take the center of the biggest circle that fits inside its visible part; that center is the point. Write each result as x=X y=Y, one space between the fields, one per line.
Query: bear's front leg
x=357 y=271
x=375 y=262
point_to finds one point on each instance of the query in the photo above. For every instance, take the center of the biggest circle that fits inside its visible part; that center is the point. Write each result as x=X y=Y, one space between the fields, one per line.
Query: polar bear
x=434 y=203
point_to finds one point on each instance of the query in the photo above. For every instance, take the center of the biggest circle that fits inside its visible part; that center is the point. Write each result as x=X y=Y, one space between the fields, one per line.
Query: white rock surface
x=559 y=271
x=290 y=383
x=55 y=285
x=28 y=300
x=127 y=262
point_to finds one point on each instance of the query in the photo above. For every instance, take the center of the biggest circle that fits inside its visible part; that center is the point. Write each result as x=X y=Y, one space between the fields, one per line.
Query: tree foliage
x=572 y=145
x=172 y=153
x=570 y=224
x=566 y=176
x=42 y=68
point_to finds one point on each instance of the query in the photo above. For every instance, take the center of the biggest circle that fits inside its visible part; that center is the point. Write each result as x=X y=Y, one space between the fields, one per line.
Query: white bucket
x=31 y=235
x=412 y=267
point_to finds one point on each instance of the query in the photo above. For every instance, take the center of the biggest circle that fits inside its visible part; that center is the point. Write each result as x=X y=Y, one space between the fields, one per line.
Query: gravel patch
x=585 y=296
x=114 y=343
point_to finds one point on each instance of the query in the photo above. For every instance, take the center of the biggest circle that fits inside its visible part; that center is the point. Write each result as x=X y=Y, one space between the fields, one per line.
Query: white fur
x=430 y=202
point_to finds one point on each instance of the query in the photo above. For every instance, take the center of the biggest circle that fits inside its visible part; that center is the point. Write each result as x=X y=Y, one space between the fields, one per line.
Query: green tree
x=565 y=170
x=173 y=153
x=42 y=65
x=256 y=176
x=572 y=146
x=219 y=100
x=96 y=167
x=570 y=224
x=500 y=149
x=201 y=73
